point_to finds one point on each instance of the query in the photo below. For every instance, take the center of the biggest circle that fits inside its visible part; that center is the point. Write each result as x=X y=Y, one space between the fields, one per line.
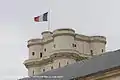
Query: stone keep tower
x=59 y=48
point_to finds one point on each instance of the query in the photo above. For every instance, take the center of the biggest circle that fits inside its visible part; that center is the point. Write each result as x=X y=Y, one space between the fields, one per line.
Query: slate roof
x=98 y=63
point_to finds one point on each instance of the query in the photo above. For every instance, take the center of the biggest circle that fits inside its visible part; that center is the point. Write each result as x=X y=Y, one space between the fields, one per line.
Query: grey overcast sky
x=89 y=17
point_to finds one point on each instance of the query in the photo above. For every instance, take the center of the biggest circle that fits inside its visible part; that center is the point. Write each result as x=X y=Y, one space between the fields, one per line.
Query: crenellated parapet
x=34 y=42
x=39 y=41
x=98 y=38
x=90 y=38
x=60 y=32
x=48 y=36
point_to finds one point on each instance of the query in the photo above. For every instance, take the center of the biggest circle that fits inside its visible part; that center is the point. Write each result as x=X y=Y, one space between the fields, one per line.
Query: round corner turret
x=97 y=44
x=35 y=47
x=63 y=38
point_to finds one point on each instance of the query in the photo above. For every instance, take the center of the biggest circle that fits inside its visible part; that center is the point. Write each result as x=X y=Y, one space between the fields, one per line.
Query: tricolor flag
x=41 y=18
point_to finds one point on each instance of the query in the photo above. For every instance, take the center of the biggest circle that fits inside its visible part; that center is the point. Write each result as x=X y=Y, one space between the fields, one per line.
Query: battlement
x=48 y=36
x=39 y=41
x=98 y=38
x=64 y=31
x=34 y=42
x=91 y=38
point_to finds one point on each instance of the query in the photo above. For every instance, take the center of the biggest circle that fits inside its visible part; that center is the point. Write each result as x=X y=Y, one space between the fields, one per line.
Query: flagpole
x=49 y=20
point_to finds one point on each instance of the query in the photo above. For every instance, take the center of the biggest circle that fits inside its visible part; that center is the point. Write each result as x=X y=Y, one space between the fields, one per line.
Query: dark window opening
x=45 y=49
x=51 y=67
x=43 y=70
x=91 y=52
x=67 y=62
x=33 y=53
x=59 y=64
x=102 y=50
x=54 y=45
x=40 y=54
x=33 y=72
x=74 y=45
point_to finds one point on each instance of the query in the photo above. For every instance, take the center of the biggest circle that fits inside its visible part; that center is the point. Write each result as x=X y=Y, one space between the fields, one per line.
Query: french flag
x=41 y=18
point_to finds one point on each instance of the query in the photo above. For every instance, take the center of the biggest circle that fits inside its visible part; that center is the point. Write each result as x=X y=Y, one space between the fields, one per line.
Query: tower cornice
x=46 y=60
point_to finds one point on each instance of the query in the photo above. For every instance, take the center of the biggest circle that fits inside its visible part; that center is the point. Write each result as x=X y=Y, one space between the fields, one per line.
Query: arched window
x=91 y=52
x=102 y=50
x=59 y=64
x=54 y=45
x=40 y=55
x=51 y=67
x=43 y=70
x=67 y=62
x=33 y=53
x=74 y=45
x=45 y=49
x=33 y=72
